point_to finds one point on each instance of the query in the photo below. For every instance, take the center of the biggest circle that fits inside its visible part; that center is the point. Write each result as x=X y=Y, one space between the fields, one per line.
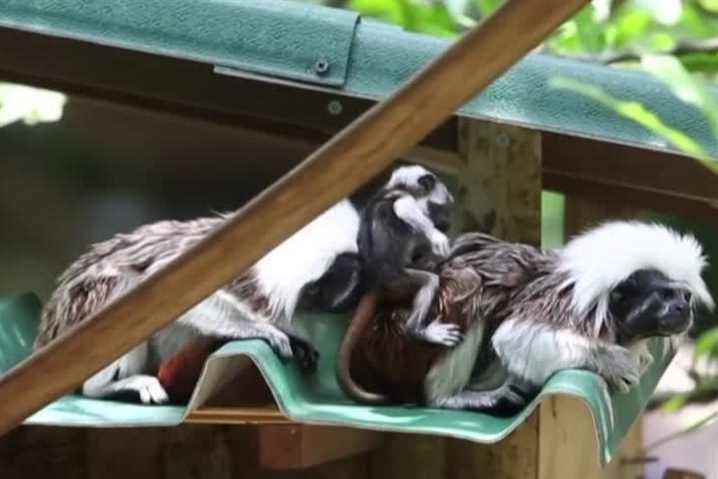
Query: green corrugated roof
x=296 y=41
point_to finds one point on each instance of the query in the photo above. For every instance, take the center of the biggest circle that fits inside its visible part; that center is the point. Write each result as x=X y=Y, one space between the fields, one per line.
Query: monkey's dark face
x=649 y=304
x=439 y=201
x=430 y=192
x=338 y=290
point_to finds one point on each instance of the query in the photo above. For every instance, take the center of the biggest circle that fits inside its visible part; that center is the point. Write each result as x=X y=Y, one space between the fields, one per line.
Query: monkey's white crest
x=598 y=260
x=305 y=256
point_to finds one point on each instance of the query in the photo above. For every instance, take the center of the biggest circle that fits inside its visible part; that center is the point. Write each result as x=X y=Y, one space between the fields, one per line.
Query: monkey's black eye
x=427 y=182
x=616 y=296
x=687 y=296
x=312 y=289
x=667 y=293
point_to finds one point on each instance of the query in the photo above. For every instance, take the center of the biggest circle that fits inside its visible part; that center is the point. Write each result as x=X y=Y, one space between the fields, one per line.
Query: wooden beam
x=661 y=181
x=182 y=87
x=349 y=160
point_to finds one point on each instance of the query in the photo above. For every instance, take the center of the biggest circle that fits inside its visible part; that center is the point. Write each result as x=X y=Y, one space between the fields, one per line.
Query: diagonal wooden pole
x=350 y=159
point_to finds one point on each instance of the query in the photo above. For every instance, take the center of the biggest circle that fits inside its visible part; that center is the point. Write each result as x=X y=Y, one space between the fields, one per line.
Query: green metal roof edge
x=365 y=58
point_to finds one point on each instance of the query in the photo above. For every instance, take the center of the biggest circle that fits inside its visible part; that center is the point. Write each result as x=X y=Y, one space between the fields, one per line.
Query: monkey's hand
x=445 y=334
x=305 y=354
x=440 y=244
x=619 y=367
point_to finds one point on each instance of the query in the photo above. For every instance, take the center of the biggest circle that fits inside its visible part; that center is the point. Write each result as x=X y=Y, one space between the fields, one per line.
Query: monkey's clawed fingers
x=280 y=343
x=305 y=354
x=620 y=369
x=446 y=334
x=148 y=388
x=440 y=244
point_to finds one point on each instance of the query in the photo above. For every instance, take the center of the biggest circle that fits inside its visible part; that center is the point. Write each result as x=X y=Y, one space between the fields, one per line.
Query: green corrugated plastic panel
x=284 y=39
x=317 y=399
x=365 y=58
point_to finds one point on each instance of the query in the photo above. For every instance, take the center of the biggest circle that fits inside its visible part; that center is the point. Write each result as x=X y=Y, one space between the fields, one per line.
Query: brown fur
x=484 y=279
x=98 y=275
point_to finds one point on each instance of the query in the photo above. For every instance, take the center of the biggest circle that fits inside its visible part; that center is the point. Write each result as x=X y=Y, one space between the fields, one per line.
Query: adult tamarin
x=527 y=313
x=402 y=229
x=317 y=268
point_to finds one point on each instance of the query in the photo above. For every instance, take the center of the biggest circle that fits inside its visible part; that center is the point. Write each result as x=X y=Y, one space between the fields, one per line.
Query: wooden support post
x=562 y=414
x=350 y=159
x=500 y=193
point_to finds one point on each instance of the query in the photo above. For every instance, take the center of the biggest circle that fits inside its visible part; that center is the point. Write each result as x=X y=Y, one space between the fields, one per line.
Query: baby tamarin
x=528 y=313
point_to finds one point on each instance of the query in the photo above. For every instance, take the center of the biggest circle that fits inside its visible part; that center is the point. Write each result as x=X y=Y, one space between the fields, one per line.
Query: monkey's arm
x=224 y=316
x=408 y=210
x=436 y=332
x=535 y=351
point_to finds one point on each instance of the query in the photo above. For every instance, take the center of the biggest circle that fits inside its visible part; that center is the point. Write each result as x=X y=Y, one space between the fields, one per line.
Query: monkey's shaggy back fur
x=270 y=288
x=494 y=281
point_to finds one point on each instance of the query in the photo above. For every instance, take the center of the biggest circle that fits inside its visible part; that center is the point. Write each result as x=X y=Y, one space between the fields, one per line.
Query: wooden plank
x=566 y=421
x=665 y=202
x=185 y=451
x=409 y=456
x=515 y=457
x=625 y=165
x=349 y=160
x=568 y=444
x=183 y=87
x=238 y=415
x=567 y=440
x=300 y=446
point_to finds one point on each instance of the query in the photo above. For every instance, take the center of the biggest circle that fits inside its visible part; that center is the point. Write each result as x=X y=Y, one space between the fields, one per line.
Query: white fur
x=534 y=351
x=597 y=261
x=306 y=255
x=449 y=376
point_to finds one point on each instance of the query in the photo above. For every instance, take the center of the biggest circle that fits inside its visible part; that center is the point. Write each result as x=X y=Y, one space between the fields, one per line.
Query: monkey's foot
x=619 y=367
x=503 y=400
x=445 y=334
x=148 y=388
x=305 y=354
x=278 y=340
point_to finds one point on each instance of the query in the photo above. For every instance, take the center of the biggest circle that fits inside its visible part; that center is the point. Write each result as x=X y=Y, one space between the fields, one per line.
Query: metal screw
x=503 y=140
x=321 y=67
x=335 y=107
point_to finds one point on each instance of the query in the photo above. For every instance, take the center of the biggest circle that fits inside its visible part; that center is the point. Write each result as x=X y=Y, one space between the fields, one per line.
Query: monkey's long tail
x=363 y=315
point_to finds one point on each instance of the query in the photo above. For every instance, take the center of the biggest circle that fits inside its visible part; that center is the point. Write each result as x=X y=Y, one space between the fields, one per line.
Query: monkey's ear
x=428 y=182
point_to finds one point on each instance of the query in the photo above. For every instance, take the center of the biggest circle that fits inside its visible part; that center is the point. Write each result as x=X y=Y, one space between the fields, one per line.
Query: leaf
x=488 y=6
x=696 y=426
x=707 y=343
x=667 y=12
x=670 y=70
x=675 y=403
x=630 y=25
x=638 y=113
x=710 y=5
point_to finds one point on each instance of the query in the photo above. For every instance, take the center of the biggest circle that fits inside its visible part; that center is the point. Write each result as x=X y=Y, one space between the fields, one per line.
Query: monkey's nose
x=680 y=306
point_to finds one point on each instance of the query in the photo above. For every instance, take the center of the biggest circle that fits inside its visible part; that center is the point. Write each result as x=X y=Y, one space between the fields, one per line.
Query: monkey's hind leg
x=124 y=379
x=507 y=399
x=436 y=332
